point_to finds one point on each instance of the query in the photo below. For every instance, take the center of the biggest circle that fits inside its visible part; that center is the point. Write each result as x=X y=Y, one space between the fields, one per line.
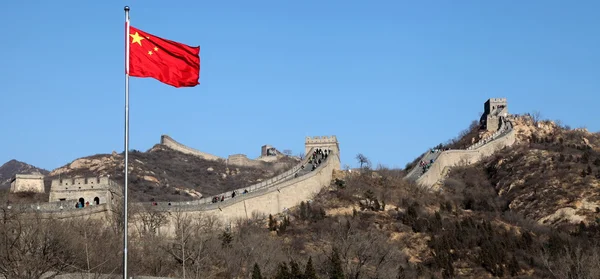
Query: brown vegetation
x=163 y=174
x=552 y=176
x=370 y=224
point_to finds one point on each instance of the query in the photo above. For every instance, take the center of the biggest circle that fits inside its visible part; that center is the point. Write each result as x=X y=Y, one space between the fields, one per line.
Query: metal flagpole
x=126 y=167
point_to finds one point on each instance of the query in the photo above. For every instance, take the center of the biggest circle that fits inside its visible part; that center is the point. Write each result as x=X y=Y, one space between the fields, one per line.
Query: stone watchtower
x=493 y=110
x=95 y=190
x=267 y=150
x=324 y=142
x=33 y=182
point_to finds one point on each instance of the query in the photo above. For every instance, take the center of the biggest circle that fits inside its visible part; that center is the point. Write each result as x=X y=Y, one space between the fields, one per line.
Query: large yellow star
x=136 y=38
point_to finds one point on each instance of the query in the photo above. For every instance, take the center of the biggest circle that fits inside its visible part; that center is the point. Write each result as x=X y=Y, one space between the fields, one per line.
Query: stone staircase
x=417 y=170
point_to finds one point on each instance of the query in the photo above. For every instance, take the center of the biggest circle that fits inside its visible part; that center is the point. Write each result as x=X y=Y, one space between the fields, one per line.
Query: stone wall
x=451 y=158
x=68 y=210
x=242 y=160
x=171 y=143
x=271 y=182
x=272 y=196
x=235 y=159
x=274 y=199
x=90 y=189
x=27 y=182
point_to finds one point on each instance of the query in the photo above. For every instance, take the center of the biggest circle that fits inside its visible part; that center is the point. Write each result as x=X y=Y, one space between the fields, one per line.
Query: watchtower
x=324 y=142
x=33 y=182
x=493 y=110
x=267 y=150
x=92 y=190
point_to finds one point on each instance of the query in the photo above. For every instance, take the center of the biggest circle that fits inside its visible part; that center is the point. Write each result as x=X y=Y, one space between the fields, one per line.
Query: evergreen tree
x=513 y=266
x=284 y=224
x=283 y=272
x=309 y=271
x=256 y=272
x=272 y=223
x=295 y=270
x=335 y=266
x=401 y=273
x=226 y=239
x=302 y=210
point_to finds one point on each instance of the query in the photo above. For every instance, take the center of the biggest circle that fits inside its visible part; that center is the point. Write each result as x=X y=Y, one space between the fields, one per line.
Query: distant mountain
x=12 y=167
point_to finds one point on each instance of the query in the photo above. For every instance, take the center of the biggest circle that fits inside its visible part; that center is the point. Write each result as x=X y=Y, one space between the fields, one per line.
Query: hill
x=163 y=174
x=489 y=220
x=551 y=176
x=12 y=167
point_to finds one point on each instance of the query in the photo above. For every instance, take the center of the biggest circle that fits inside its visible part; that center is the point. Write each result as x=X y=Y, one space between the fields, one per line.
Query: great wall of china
x=234 y=159
x=272 y=196
x=504 y=136
x=288 y=189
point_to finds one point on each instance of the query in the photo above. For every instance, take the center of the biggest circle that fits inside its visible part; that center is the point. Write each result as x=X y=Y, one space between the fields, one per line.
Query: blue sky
x=388 y=78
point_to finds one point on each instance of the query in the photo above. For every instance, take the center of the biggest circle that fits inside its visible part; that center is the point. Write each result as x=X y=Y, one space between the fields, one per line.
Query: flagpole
x=126 y=166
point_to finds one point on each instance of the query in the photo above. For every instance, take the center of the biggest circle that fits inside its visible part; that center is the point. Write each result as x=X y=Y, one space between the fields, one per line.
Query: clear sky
x=388 y=78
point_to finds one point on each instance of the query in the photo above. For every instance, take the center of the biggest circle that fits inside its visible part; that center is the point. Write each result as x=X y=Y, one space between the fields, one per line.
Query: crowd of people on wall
x=317 y=157
x=82 y=205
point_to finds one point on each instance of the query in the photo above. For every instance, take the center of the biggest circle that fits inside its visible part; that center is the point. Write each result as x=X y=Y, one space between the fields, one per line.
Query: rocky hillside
x=12 y=167
x=163 y=174
x=551 y=176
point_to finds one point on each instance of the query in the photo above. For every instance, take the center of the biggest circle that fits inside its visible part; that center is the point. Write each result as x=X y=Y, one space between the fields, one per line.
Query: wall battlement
x=321 y=139
x=324 y=142
x=497 y=100
x=80 y=183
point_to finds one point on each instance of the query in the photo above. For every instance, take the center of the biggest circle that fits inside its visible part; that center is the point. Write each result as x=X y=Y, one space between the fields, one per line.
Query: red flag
x=169 y=62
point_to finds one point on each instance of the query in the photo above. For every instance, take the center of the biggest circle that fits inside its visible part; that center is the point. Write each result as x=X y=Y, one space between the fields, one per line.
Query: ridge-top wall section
x=171 y=143
x=270 y=200
x=453 y=158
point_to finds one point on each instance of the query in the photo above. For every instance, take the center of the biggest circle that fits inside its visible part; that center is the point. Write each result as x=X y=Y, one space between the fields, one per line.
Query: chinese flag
x=169 y=62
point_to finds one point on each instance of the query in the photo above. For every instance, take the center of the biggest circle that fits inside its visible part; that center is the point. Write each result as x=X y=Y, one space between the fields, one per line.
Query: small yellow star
x=136 y=38
x=155 y=49
x=150 y=52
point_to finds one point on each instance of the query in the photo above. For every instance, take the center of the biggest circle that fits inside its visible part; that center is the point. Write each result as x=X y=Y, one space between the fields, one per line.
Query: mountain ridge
x=9 y=169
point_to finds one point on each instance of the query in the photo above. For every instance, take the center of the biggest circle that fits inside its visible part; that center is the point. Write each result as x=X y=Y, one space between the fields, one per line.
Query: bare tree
x=184 y=232
x=287 y=152
x=150 y=220
x=32 y=247
x=536 y=116
x=363 y=160
x=96 y=246
x=572 y=262
x=365 y=254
